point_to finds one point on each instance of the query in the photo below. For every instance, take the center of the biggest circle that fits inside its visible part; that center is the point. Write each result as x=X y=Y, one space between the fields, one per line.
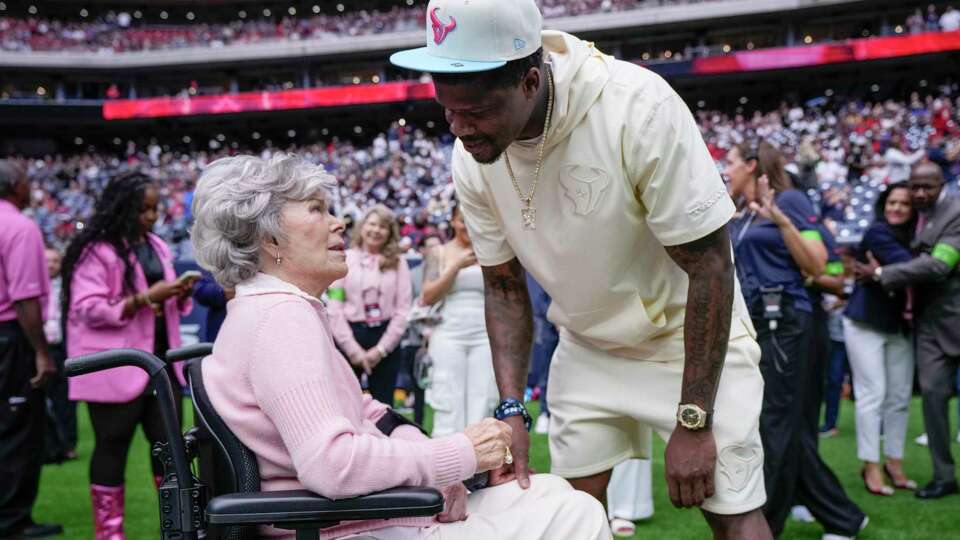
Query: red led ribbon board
x=855 y=50
x=336 y=96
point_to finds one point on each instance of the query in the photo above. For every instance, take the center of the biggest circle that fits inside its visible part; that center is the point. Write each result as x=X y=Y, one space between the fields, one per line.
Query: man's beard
x=497 y=152
x=490 y=161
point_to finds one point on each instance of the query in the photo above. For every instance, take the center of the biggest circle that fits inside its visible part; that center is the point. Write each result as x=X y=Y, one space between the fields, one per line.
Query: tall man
x=25 y=364
x=936 y=305
x=591 y=174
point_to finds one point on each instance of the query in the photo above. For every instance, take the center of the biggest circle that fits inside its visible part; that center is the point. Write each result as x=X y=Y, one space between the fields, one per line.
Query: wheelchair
x=224 y=500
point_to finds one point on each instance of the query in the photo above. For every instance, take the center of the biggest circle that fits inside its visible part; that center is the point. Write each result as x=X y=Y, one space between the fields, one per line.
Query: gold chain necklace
x=529 y=212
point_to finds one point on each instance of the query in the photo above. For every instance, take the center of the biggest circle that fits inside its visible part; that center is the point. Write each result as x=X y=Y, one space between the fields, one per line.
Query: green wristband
x=811 y=234
x=834 y=268
x=946 y=253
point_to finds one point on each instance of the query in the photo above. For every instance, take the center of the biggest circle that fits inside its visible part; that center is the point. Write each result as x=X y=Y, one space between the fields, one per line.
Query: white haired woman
x=264 y=229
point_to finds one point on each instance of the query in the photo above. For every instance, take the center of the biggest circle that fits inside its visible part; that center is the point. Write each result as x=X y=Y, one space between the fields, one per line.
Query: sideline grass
x=64 y=496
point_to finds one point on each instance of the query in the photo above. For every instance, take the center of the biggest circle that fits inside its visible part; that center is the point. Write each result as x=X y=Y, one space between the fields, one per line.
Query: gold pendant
x=529 y=215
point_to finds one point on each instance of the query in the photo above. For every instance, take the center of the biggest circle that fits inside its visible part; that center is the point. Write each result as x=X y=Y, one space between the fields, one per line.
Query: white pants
x=549 y=510
x=629 y=493
x=882 y=366
x=463 y=388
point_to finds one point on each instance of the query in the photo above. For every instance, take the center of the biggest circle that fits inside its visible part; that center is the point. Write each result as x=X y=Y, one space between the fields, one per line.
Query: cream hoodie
x=625 y=173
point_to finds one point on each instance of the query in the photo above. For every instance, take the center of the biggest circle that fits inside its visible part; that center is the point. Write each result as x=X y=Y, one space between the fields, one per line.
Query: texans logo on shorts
x=738 y=463
x=441 y=30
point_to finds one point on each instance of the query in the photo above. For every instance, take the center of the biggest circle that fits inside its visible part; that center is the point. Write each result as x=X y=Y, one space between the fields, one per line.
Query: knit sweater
x=279 y=383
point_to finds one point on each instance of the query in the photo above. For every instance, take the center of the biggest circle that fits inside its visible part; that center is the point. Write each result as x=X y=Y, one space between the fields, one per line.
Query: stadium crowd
x=118 y=32
x=834 y=148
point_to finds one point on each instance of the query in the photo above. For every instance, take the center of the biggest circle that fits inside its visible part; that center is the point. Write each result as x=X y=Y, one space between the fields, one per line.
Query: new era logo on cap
x=474 y=35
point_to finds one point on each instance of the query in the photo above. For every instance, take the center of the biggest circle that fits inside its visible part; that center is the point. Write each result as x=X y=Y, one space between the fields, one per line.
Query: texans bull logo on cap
x=441 y=30
x=486 y=35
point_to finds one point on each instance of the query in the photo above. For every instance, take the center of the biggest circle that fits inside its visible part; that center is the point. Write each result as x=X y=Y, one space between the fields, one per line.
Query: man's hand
x=689 y=462
x=520 y=448
x=864 y=272
x=454 y=504
x=46 y=371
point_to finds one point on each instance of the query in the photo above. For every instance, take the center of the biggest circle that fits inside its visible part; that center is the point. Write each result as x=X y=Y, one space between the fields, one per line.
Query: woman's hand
x=490 y=439
x=373 y=358
x=360 y=360
x=455 y=504
x=466 y=260
x=161 y=290
x=766 y=205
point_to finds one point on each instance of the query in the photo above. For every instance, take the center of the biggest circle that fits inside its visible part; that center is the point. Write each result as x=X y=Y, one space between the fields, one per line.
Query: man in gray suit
x=936 y=283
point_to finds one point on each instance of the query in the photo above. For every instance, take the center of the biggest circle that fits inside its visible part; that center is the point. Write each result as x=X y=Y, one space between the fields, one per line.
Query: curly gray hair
x=237 y=204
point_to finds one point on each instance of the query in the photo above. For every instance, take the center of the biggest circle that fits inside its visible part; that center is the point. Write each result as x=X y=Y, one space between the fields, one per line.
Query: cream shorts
x=603 y=409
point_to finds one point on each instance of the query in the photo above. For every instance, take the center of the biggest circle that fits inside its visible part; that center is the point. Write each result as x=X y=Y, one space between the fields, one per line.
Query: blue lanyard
x=743 y=230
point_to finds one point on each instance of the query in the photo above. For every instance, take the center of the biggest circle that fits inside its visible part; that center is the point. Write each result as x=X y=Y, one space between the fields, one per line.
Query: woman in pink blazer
x=120 y=291
x=369 y=306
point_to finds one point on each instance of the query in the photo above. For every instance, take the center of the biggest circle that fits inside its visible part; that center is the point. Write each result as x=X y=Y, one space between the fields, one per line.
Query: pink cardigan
x=279 y=383
x=395 y=294
x=95 y=321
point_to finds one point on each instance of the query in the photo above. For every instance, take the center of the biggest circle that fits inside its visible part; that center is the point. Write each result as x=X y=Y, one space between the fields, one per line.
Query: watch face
x=690 y=417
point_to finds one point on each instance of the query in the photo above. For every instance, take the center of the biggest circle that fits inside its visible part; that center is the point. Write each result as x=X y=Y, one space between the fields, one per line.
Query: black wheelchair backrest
x=233 y=466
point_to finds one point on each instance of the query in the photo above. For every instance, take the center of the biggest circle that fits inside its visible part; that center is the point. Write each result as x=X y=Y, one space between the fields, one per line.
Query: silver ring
x=508 y=459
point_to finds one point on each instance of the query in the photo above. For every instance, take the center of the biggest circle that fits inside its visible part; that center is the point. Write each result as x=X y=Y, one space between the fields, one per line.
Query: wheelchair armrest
x=302 y=506
x=187 y=352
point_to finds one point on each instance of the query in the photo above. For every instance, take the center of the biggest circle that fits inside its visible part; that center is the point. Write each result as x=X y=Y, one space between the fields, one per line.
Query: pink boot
x=107 y=512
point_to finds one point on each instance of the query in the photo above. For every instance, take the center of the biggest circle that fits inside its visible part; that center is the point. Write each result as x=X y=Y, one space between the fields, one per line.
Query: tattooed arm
x=509 y=319
x=691 y=456
x=706 y=326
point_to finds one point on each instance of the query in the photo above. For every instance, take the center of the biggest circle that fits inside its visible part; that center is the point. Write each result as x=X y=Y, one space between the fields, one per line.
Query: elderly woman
x=264 y=229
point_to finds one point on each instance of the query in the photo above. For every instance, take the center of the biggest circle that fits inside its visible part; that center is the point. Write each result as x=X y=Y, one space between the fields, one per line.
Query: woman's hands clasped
x=490 y=439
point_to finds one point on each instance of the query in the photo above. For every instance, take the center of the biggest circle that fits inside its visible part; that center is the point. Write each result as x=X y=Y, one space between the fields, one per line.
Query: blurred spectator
x=25 y=363
x=211 y=295
x=62 y=420
x=120 y=290
x=463 y=388
x=369 y=307
x=950 y=20
x=880 y=349
x=936 y=285
x=776 y=242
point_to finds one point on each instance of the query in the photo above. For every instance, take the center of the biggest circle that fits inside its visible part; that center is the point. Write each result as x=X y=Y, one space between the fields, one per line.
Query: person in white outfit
x=630 y=495
x=463 y=389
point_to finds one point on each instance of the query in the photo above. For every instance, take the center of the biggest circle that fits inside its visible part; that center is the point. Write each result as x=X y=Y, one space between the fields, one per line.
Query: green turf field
x=64 y=496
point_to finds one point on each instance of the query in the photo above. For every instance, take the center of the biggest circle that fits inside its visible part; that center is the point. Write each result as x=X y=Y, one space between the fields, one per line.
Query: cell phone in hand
x=189 y=276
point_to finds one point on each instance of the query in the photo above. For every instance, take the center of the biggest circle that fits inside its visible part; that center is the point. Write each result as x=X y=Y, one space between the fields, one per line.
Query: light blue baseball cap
x=468 y=36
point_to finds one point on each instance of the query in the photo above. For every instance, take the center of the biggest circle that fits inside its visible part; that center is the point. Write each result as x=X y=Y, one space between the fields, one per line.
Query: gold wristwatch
x=694 y=418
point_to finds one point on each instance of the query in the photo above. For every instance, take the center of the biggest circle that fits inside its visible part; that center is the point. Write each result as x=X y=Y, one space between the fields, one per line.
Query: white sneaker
x=802 y=514
x=831 y=536
x=922 y=440
x=543 y=424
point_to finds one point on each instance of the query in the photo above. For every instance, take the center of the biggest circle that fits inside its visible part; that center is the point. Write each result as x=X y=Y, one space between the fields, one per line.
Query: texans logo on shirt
x=584 y=185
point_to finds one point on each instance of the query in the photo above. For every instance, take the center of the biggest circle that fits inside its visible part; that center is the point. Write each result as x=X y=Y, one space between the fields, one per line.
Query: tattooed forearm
x=708 y=264
x=509 y=324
